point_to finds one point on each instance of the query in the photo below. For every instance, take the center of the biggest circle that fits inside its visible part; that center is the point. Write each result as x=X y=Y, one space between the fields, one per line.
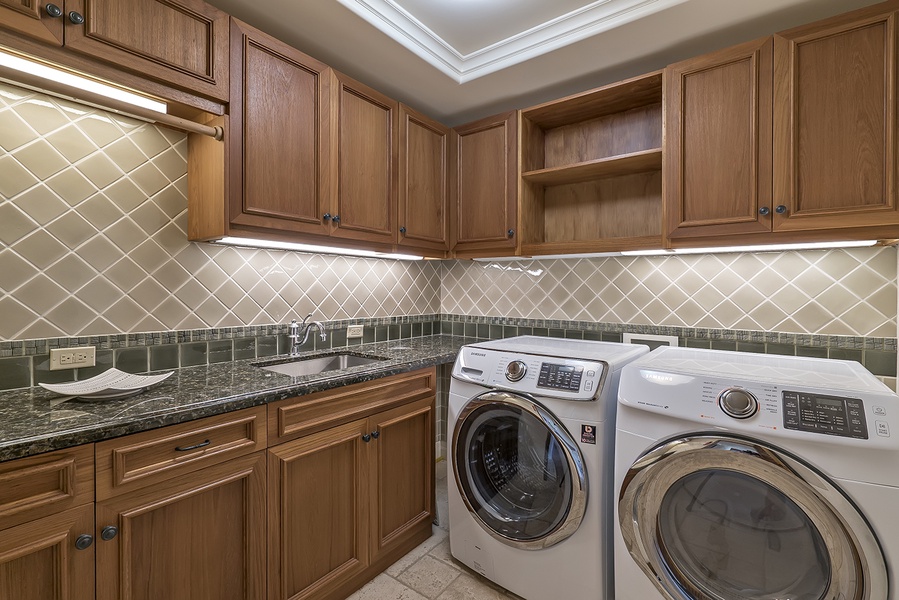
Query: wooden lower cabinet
x=39 y=559
x=198 y=536
x=347 y=501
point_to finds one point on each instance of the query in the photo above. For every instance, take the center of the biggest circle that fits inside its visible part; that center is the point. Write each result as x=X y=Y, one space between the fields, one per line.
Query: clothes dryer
x=746 y=476
x=530 y=425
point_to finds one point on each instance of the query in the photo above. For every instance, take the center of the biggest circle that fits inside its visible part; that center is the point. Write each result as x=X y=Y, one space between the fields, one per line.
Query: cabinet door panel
x=317 y=512
x=278 y=146
x=39 y=561
x=28 y=17
x=404 y=494
x=424 y=182
x=366 y=162
x=183 y=42
x=835 y=97
x=718 y=143
x=486 y=187
x=199 y=536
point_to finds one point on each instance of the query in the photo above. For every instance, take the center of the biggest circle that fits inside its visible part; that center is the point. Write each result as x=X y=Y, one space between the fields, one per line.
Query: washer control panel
x=834 y=415
x=560 y=376
x=738 y=403
x=549 y=376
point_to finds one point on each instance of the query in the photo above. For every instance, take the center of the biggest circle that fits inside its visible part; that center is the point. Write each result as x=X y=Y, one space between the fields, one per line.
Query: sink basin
x=320 y=364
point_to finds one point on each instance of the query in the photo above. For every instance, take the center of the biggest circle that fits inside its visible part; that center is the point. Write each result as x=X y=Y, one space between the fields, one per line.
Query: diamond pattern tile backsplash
x=93 y=230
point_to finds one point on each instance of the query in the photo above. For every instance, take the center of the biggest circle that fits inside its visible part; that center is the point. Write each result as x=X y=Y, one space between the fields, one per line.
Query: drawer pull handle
x=84 y=541
x=109 y=532
x=194 y=447
x=375 y=434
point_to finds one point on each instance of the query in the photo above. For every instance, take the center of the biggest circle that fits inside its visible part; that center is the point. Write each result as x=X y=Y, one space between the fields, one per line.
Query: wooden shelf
x=613 y=166
x=619 y=244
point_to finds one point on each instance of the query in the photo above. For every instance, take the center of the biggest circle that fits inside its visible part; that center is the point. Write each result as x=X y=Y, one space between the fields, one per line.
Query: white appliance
x=530 y=428
x=747 y=476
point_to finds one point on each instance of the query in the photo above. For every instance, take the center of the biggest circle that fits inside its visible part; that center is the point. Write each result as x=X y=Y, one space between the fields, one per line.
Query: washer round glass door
x=518 y=470
x=711 y=517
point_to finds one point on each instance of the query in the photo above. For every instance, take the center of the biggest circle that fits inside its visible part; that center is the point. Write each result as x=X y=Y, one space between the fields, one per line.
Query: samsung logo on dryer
x=478 y=353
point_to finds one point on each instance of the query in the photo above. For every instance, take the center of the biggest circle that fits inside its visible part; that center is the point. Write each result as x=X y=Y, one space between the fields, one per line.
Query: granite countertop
x=35 y=420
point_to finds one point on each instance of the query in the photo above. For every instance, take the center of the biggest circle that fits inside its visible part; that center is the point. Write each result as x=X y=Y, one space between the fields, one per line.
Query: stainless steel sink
x=320 y=364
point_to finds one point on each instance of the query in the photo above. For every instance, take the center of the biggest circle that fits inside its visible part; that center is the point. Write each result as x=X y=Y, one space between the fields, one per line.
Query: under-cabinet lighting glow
x=274 y=245
x=755 y=248
x=49 y=73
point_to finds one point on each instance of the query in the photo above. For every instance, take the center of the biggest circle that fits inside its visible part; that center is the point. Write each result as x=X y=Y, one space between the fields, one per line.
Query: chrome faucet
x=294 y=333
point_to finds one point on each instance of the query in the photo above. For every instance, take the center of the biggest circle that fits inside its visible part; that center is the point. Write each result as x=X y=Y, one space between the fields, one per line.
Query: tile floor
x=429 y=572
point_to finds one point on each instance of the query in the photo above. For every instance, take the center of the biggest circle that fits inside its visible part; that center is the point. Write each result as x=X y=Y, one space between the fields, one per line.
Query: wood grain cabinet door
x=318 y=512
x=403 y=491
x=424 y=182
x=278 y=145
x=39 y=560
x=363 y=176
x=835 y=123
x=486 y=187
x=198 y=536
x=180 y=42
x=30 y=17
x=718 y=142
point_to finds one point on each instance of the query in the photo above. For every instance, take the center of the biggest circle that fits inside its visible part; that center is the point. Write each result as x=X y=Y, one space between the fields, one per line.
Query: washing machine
x=746 y=476
x=530 y=427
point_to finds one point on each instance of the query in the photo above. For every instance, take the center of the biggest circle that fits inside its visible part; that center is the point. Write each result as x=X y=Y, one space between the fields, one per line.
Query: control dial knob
x=516 y=370
x=738 y=403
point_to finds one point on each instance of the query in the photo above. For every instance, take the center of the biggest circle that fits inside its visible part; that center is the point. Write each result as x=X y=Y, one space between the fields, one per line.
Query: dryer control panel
x=540 y=375
x=834 y=415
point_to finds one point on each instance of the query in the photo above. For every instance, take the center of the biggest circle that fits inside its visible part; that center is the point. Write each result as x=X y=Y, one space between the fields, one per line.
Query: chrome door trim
x=858 y=567
x=578 y=504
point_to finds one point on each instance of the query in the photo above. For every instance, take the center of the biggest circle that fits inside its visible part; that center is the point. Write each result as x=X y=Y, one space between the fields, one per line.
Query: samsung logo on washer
x=664 y=378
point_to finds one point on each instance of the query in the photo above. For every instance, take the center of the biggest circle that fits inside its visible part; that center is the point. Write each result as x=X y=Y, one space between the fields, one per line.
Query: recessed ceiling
x=467 y=39
x=458 y=60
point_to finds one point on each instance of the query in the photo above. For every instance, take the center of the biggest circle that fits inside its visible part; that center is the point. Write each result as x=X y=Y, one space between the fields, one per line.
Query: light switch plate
x=354 y=331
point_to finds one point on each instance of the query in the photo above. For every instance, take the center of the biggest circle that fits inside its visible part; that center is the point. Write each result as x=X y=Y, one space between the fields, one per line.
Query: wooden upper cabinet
x=29 y=17
x=425 y=152
x=278 y=136
x=718 y=142
x=182 y=43
x=835 y=104
x=486 y=187
x=363 y=169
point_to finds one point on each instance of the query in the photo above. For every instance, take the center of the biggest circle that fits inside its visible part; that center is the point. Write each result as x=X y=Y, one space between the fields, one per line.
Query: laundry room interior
x=352 y=311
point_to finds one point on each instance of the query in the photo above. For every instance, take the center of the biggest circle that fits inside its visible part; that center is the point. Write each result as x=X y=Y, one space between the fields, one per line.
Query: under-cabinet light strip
x=274 y=245
x=755 y=248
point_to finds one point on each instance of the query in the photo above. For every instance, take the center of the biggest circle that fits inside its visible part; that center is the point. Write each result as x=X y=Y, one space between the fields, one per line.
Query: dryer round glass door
x=519 y=471
x=710 y=517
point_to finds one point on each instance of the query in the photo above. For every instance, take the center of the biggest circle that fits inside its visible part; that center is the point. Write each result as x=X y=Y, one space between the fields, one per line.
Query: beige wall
x=93 y=221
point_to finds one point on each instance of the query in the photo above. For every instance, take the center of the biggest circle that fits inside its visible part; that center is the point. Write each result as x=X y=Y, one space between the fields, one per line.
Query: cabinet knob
x=375 y=434
x=84 y=541
x=326 y=216
x=76 y=18
x=53 y=11
x=109 y=532
x=511 y=233
x=402 y=230
x=781 y=209
x=764 y=210
x=336 y=218
x=366 y=437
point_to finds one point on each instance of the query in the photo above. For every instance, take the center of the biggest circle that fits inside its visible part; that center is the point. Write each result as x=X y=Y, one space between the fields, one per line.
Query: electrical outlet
x=354 y=331
x=72 y=358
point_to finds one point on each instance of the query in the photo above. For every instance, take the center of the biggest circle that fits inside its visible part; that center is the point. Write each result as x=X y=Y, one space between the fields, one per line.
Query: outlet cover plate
x=354 y=331
x=72 y=358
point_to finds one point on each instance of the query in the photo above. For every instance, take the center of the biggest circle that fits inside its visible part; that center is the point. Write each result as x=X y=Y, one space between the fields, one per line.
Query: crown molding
x=403 y=27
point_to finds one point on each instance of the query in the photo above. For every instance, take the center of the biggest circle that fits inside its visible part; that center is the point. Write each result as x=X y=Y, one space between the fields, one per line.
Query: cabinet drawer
x=295 y=417
x=144 y=458
x=48 y=483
